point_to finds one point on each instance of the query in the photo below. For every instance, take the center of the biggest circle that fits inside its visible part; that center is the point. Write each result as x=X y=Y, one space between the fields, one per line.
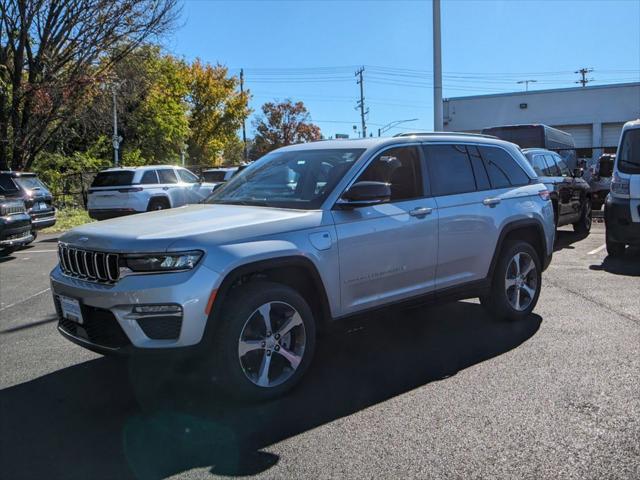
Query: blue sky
x=309 y=50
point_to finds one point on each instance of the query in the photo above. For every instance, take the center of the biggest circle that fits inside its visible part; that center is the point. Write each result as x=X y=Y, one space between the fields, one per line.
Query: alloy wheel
x=272 y=344
x=521 y=281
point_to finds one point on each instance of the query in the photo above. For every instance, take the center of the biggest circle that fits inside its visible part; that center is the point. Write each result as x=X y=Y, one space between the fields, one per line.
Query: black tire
x=614 y=249
x=5 y=252
x=241 y=308
x=35 y=234
x=583 y=225
x=158 y=204
x=497 y=302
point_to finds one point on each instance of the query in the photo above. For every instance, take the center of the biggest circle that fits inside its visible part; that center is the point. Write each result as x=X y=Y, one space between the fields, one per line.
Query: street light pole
x=395 y=123
x=526 y=83
x=438 y=123
x=116 y=138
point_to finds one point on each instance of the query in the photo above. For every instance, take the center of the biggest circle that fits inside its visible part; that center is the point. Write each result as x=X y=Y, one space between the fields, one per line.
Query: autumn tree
x=281 y=124
x=217 y=110
x=52 y=57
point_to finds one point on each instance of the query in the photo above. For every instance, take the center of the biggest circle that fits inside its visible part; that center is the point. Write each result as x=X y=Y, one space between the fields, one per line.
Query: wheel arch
x=295 y=271
x=525 y=229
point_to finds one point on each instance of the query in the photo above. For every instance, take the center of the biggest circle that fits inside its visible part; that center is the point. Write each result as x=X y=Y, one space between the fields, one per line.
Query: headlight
x=162 y=262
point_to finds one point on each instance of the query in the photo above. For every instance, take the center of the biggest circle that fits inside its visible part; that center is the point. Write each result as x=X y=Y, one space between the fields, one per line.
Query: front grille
x=161 y=328
x=89 y=265
x=12 y=208
x=18 y=233
x=100 y=327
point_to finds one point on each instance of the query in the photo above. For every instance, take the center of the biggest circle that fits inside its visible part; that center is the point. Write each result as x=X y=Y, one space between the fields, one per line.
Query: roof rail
x=437 y=134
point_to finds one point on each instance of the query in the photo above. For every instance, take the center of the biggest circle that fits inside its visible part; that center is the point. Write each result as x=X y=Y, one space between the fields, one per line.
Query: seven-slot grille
x=89 y=265
x=12 y=208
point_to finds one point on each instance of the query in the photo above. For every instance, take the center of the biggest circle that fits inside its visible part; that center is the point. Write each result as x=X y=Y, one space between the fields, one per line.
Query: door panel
x=388 y=252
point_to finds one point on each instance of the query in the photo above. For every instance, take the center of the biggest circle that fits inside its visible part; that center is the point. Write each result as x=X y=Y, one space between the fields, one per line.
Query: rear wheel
x=516 y=282
x=265 y=341
x=584 y=224
x=158 y=204
x=614 y=249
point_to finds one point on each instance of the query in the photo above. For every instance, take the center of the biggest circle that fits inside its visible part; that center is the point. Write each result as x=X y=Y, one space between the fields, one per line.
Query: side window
x=450 y=169
x=187 y=177
x=539 y=165
x=149 y=177
x=502 y=168
x=482 y=179
x=564 y=169
x=554 y=170
x=401 y=168
x=167 y=176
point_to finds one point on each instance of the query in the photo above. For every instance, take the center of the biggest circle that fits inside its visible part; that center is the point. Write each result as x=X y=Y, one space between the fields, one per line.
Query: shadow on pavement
x=113 y=419
x=565 y=239
x=627 y=264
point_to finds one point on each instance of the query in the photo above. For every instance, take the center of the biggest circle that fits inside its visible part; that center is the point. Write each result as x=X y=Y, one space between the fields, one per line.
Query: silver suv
x=308 y=235
x=122 y=191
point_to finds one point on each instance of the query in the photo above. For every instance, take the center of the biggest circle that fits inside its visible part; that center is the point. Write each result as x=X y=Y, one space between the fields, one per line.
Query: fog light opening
x=158 y=309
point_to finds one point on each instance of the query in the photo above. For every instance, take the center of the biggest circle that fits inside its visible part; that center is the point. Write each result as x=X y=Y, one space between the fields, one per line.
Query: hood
x=201 y=224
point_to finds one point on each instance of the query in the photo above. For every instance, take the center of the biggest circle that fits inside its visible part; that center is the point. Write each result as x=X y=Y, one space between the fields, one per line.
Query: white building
x=593 y=115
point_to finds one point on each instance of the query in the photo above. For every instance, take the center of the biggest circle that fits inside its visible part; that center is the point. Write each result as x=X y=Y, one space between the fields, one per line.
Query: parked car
x=622 y=206
x=600 y=179
x=15 y=225
x=218 y=176
x=570 y=193
x=307 y=235
x=123 y=191
x=36 y=197
x=538 y=136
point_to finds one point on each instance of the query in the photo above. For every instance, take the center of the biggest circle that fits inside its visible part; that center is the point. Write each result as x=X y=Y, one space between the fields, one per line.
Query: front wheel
x=516 y=282
x=265 y=341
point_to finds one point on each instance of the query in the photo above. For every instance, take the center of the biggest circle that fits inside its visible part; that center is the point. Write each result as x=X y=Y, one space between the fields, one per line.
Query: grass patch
x=68 y=218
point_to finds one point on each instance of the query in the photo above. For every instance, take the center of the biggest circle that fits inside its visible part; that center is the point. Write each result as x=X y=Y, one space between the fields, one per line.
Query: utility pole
x=526 y=83
x=583 y=73
x=244 y=128
x=438 y=122
x=116 y=139
x=360 y=104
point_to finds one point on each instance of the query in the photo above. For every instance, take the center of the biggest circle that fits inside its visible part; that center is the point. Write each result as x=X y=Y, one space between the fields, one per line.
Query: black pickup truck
x=15 y=225
x=36 y=196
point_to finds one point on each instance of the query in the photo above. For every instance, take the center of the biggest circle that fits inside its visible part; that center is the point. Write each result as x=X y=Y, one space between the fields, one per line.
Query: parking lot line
x=24 y=299
x=600 y=248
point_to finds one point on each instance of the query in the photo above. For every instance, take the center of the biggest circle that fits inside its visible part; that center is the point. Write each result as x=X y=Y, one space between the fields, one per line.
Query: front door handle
x=491 y=202
x=420 y=211
x=165 y=188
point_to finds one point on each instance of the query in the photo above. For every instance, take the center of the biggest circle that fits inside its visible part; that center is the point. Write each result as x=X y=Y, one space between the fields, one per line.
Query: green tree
x=281 y=124
x=217 y=112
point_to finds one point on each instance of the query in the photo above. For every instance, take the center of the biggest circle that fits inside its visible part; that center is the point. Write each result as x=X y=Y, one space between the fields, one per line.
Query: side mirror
x=365 y=194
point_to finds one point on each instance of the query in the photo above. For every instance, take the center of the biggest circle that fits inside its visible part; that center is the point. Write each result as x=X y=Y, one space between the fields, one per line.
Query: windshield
x=31 y=183
x=113 y=179
x=215 y=176
x=629 y=155
x=288 y=179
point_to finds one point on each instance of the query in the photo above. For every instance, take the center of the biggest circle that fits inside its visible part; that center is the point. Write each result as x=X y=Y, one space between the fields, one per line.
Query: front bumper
x=111 y=326
x=42 y=220
x=619 y=222
x=107 y=213
x=15 y=231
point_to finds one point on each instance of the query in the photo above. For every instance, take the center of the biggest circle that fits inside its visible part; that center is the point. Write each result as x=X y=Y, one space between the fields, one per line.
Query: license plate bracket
x=71 y=309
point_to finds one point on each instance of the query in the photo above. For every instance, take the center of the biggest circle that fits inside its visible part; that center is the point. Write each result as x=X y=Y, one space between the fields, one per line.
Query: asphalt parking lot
x=437 y=392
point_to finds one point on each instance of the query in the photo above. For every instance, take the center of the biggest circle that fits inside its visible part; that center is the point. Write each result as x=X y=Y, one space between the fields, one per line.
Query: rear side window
x=7 y=184
x=149 y=177
x=401 y=168
x=553 y=168
x=562 y=166
x=167 y=176
x=502 y=168
x=450 y=169
x=539 y=165
x=113 y=179
x=187 y=177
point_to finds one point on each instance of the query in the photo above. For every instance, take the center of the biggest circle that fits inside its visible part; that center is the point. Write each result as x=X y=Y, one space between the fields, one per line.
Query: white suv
x=122 y=191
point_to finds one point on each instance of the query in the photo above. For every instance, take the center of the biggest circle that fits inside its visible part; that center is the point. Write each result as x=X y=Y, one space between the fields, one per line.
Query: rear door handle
x=420 y=211
x=491 y=202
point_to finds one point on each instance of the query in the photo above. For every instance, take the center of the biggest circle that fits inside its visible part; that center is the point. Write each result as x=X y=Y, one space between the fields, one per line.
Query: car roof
x=140 y=168
x=221 y=169
x=379 y=142
x=537 y=150
x=633 y=124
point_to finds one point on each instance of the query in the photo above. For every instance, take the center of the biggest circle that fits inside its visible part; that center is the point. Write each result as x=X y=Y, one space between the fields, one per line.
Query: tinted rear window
x=214 y=176
x=450 y=169
x=113 y=179
x=502 y=168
